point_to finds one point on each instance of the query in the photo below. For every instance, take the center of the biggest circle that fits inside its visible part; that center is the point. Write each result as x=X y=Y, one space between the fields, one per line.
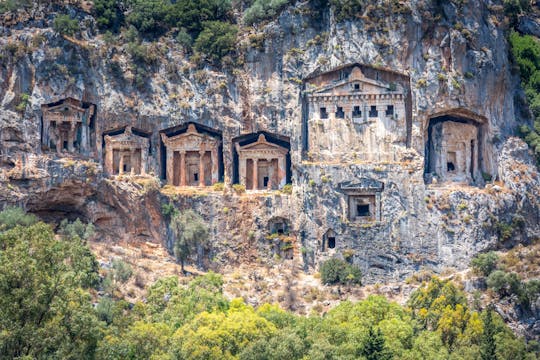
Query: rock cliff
x=449 y=62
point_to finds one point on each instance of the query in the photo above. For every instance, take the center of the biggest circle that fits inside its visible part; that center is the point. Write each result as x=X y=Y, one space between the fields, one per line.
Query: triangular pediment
x=353 y=86
x=262 y=144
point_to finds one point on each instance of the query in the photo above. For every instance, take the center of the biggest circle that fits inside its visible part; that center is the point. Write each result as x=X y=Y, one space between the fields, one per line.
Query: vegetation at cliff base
x=49 y=281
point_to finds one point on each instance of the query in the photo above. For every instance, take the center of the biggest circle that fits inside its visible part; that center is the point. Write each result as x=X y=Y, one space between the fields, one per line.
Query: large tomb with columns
x=68 y=126
x=454 y=148
x=192 y=156
x=262 y=164
x=352 y=117
x=126 y=152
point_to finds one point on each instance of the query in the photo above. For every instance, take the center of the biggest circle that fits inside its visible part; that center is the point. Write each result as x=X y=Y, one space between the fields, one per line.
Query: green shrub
x=219 y=186
x=503 y=283
x=337 y=271
x=287 y=189
x=239 y=188
x=108 y=14
x=65 y=25
x=526 y=52
x=148 y=16
x=485 y=264
x=12 y=5
x=13 y=216
x=122 y=271
x=347 y=9
x=264 y=10
x=217 y=40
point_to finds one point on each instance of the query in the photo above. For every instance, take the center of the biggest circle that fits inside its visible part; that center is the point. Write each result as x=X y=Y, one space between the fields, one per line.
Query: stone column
x=144 y=157
x=282 y=171
x=255 y=173
x=132 y=160
x=121 y=163
x=270 y=174
x=108 y=156
x=170 y=161
x=201 y=168
x=46 y=126
x=84 y=136
x=183 y=181
x=59 y=142
x=71 y=136
x=242 y=170
x=215 y=165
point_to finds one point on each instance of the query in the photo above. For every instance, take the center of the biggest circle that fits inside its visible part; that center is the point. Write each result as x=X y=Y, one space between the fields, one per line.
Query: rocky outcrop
x=452 y=60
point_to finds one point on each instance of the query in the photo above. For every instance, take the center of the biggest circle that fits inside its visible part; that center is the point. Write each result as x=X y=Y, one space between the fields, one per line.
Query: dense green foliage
x=190 y=233
x=46 y=312
x=526 y=52
x=263 y=10
x=65 y=25
x=108 y=14
x=45 y=307
x=217 y=40
x=337 y=271
x=503 y=282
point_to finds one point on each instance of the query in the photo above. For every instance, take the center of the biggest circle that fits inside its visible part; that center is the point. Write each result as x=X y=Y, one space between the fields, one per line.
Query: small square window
x=390 y=110
x=323 y=113
x=356 y=87
x=362 y=210
x=373 y=111
x=339 y=113
x=357 y=112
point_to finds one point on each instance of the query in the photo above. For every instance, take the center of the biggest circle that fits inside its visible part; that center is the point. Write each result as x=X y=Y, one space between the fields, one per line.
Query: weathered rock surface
x=457 y=63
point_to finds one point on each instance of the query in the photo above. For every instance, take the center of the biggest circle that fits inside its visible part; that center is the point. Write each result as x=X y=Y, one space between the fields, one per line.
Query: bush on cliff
x=337 y=271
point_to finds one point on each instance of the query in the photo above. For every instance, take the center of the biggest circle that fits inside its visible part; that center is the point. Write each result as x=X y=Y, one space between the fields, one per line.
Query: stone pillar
x=71 y=136
x=255 y=173
x=201 y=168
x=84 y=136
x=270 y=174
x=242 y=170
x=170 y=170
x=59 y=140
x=282 y=171
x=144 y=158
x=132 y=160
x=183 y=181
x=46 y=127
x=121 y=163
x=215 y=166
x=108 y=156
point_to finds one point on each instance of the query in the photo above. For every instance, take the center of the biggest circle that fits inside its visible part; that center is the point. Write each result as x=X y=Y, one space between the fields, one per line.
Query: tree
x=45 y=310
x=488 y=345
x=375 y=347
x=190 y=232
x=217 y=40
x=13 y=216
x=108 y=14
x=148 y=16
x=484 y=264
x=65 y=25
x=337 y=271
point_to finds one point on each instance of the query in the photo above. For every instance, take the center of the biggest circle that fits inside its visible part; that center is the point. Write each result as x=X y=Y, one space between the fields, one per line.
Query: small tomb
x=363 y=200
x=192 y=158
x=126 y=153
x=68 y=126
x=262 y=164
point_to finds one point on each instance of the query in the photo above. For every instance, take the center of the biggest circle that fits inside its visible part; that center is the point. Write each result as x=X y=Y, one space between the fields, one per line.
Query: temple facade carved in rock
x=351 y=117
x=68 y=125
x=262 y=164
x=126 y=153
x=191 y=158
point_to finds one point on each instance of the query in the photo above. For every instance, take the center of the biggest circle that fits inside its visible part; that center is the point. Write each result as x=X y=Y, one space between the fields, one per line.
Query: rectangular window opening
x=373 y=111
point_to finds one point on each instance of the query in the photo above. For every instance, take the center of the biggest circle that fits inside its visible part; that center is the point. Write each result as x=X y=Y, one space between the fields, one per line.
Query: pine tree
x=488 y=338
x=375 y=347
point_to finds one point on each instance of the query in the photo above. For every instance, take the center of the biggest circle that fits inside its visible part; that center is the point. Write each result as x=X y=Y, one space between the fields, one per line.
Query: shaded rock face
x=447 y=61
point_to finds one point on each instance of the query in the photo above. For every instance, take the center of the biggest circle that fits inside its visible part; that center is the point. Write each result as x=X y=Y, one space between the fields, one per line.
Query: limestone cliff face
x=450 y=62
